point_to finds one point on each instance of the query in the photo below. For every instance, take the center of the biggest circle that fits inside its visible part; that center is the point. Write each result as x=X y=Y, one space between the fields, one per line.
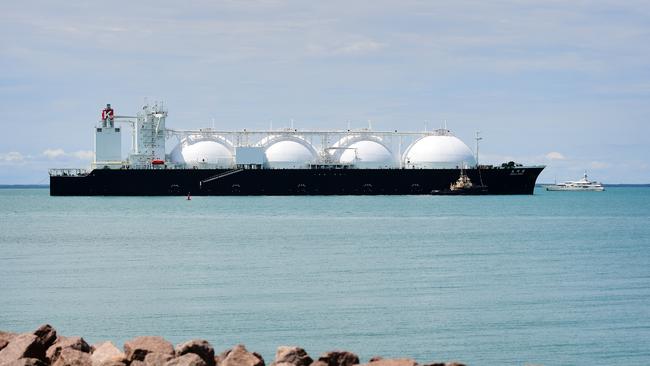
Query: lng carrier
x=282 y=162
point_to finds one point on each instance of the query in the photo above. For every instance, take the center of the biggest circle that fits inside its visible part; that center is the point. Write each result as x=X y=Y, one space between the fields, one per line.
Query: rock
x=46 y=336
x=393 y=362
x=5 y=338
x=239 y=356
x=156 y=359
x=26 y=362
x=200 y=347
x=72 y=357
x=22 y=346
x=106 y=353
x=188 y=359
x=29 y=345
x=114 y=363
x=137 y=348
x=291 y=356
x=221 y=357
x=61 y=343
x=338 y=358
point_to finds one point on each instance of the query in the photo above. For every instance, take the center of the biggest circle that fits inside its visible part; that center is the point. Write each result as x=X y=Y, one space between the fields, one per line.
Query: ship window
x=117 y=129
x=99 y=130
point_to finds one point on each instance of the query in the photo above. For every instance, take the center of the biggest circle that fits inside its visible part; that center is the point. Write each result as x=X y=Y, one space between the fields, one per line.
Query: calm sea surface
x=557 y=278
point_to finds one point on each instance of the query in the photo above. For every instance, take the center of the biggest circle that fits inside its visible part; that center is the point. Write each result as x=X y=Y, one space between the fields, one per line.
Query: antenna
x=348 y=125
x=292 y=123
x=213 y=123
x=369 y=125
x=478 y=138
x=445 y=121
x=271 y=125
x=425 y=125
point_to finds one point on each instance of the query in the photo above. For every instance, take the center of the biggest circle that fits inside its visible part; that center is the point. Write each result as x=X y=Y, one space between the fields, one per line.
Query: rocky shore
x=44 y=347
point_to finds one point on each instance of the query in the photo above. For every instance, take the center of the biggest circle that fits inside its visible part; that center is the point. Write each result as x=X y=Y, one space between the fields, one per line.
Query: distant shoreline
x=23 y=186
x=639 y=185
x=43 y=186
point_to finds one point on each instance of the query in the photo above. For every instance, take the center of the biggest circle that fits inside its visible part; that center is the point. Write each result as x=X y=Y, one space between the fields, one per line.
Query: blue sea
x=556 y=278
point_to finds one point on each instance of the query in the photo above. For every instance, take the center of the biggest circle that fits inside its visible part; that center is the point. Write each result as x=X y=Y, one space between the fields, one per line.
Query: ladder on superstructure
x=219 y=176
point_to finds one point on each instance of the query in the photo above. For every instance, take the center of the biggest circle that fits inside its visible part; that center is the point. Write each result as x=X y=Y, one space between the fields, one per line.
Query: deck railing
x=74 y=172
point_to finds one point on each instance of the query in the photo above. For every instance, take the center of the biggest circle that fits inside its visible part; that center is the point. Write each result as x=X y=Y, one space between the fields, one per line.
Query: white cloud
x=12 y=157
x=351 y=48
x=360 y=48
x=599 y=165
x=554 y=155
x=53 y=153
x=83 y=154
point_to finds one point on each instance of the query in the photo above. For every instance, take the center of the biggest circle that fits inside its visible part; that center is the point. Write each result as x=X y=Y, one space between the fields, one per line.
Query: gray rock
x=61 y=343
x=106 y=353
x=188 y=359
x=339 y=358
x=137 y=348
x=156 y=359
x=200 y=347
x=72 y=357
x=239 y=356
x=291 y=356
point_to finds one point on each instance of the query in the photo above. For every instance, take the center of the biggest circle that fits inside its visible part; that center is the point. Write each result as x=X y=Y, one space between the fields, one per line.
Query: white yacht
x=583 y=184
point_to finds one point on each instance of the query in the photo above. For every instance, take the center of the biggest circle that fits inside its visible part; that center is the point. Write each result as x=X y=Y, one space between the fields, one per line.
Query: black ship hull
x=322 y=181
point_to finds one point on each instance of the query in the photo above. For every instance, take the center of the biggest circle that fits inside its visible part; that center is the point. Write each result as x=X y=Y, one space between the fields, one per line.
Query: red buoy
x=157 y=162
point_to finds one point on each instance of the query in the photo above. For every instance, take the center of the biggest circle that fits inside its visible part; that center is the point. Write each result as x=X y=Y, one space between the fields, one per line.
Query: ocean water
x=556 y=278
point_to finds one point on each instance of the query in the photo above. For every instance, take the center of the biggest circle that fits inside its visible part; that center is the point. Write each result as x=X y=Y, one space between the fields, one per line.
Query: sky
x=560 y=83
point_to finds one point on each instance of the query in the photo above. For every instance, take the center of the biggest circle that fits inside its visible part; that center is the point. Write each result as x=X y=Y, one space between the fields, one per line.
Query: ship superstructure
x=212 y=161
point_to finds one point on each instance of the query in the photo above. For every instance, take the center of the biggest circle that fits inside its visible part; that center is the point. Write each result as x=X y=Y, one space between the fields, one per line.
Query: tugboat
x=463 y=186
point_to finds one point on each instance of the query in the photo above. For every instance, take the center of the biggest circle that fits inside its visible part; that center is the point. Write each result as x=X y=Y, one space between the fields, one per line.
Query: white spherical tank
x=288 y=152
x=367 y=154
x=207 y=151
x=438 y=151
